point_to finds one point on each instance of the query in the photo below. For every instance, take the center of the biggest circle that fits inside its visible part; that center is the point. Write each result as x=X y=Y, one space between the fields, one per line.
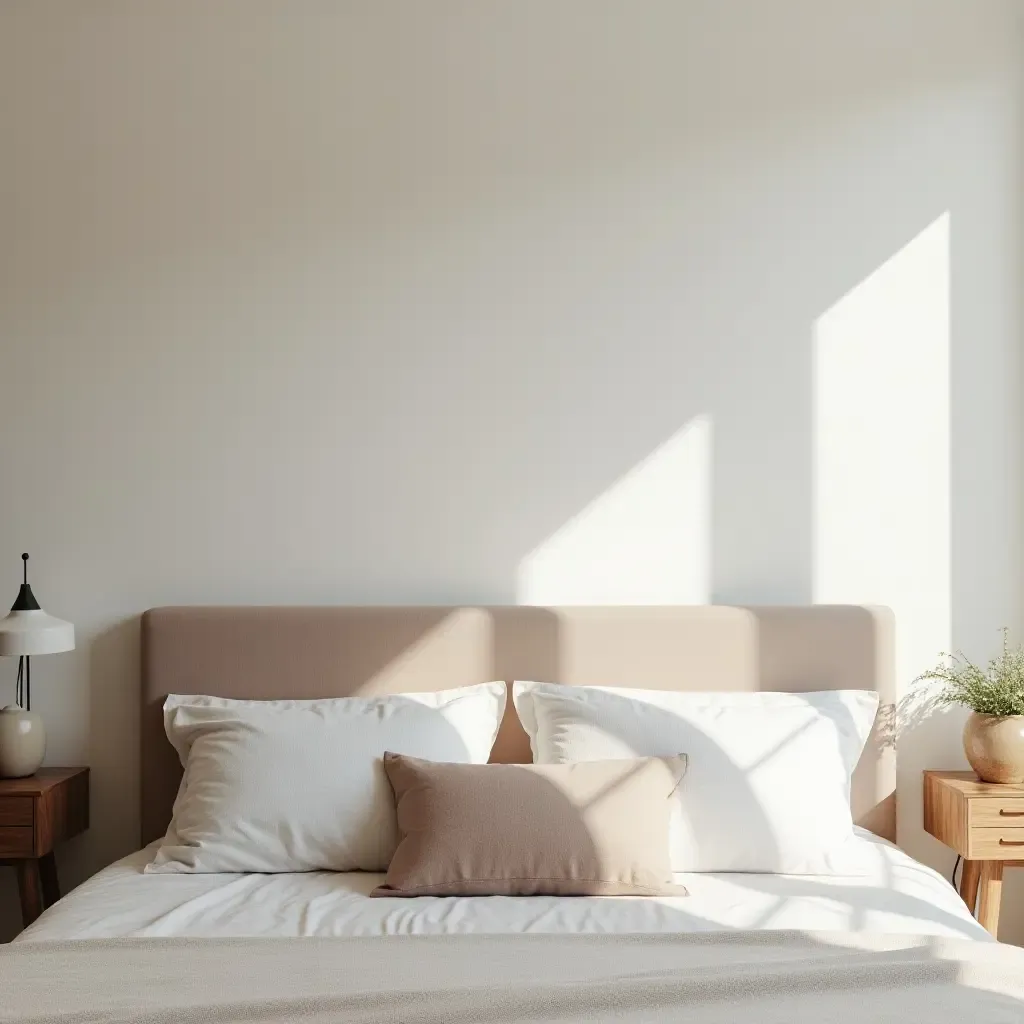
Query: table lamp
x=27 y=630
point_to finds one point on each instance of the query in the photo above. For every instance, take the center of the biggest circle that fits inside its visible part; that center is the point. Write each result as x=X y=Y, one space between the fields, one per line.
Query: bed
x=881 y=944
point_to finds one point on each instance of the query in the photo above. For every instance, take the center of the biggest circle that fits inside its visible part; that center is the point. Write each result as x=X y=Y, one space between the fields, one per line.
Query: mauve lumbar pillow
x=597 y=828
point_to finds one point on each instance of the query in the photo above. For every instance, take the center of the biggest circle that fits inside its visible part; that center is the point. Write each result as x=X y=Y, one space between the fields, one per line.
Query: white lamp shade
x=34 y=632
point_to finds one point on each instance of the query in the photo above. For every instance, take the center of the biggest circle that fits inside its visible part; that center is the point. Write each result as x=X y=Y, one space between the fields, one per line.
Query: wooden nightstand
x=35 y=814
x=984 y=823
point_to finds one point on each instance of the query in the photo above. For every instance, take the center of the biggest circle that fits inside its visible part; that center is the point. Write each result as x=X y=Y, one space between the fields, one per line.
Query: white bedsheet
x=899 y=896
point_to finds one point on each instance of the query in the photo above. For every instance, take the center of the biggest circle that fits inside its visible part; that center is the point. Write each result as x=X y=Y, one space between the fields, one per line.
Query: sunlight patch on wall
x=646 y=540
x=882 y=447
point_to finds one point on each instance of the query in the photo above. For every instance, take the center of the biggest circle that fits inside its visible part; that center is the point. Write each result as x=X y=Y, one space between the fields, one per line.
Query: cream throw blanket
x=755 y=977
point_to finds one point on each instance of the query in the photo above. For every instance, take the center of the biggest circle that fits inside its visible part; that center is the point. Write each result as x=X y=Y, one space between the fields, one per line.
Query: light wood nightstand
x=35 y=814
x=984 y=823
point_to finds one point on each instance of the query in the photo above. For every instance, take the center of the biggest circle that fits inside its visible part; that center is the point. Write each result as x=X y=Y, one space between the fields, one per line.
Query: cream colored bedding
x=724 y=978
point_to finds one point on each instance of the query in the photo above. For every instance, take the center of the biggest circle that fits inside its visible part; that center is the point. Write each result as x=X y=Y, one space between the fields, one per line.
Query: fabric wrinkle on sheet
x=901 y=896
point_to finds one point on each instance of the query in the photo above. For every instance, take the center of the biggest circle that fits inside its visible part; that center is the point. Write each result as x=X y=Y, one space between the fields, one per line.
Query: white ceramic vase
x=22 y=742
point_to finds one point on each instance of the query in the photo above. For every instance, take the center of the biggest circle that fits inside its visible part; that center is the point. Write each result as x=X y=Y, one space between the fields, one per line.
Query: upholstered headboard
x=265 y=653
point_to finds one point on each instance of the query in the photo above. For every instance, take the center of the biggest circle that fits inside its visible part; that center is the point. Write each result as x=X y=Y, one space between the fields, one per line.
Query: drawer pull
x=1011 y=842
x=1003 y=813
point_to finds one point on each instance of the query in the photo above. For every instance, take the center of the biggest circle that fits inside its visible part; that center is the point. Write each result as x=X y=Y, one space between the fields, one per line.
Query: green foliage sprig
x=995 y=690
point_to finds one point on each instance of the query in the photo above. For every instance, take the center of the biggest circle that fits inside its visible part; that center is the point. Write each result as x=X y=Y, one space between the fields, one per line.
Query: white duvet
x=897 y=895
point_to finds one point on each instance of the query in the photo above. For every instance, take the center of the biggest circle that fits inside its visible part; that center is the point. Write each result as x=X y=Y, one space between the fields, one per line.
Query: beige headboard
x=264 y=653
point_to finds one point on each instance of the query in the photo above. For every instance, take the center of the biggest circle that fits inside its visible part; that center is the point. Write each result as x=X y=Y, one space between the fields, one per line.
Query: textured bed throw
x=756 y=977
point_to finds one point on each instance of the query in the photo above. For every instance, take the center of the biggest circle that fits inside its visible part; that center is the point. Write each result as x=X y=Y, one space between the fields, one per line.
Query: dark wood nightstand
x=984 y=823
x=35 y=814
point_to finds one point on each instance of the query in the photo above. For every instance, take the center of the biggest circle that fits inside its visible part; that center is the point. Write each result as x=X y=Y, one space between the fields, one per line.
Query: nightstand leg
x=969 y=879
x=991 y=893
x=30 y=890
x=48 y=876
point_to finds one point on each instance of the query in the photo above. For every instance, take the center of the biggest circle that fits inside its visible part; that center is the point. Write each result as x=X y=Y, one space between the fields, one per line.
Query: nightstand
x=35 y=814
x=984 y=823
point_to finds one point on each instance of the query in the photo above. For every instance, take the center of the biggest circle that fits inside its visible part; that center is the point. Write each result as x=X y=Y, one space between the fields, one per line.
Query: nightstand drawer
x=16 y=841
x=16 y=810
x=1007 y=813
x=996 y=844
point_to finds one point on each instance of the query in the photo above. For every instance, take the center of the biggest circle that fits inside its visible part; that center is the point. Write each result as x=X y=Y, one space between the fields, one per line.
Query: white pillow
x=299 y=785
x=768 y=785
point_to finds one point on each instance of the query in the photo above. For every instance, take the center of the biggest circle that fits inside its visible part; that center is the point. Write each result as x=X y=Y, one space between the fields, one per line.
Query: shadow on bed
x=861 y=899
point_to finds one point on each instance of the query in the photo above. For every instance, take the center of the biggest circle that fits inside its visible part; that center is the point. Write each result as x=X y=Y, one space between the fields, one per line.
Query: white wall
x=353 y=302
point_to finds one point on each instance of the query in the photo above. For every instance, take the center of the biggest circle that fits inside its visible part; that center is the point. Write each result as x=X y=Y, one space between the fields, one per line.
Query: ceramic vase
x=994 y=746
x=22 y=742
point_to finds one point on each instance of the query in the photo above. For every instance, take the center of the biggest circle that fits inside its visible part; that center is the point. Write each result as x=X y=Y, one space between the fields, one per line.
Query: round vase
x=22 y=742
x=994 y=745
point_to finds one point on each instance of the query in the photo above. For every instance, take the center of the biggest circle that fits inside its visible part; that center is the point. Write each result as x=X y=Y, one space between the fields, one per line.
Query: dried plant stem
x=997 y=689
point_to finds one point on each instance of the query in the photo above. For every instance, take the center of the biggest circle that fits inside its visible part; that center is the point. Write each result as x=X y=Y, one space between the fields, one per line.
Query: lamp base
x=22 y=742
